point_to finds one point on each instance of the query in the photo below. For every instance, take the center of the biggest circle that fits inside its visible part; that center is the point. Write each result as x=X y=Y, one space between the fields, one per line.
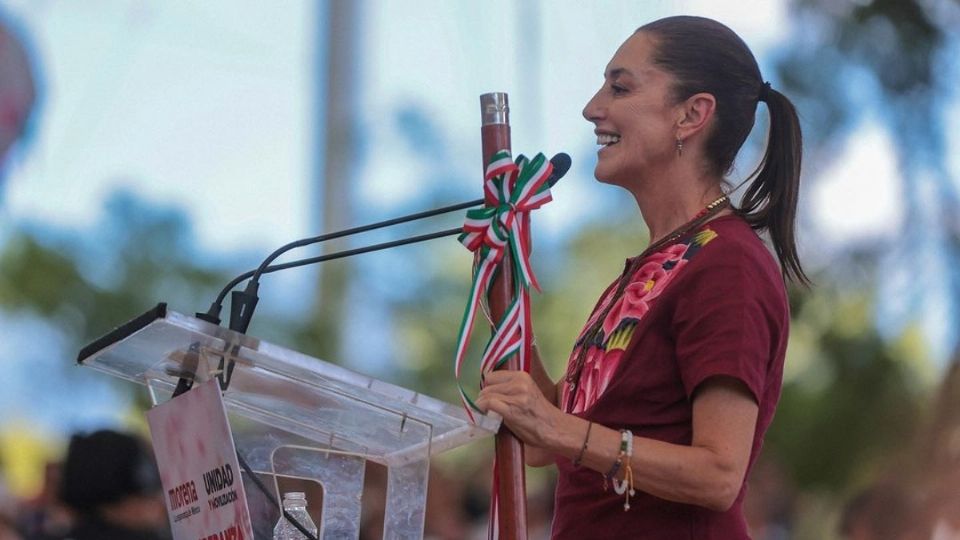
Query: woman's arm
x=538 y=372
x=707 y=473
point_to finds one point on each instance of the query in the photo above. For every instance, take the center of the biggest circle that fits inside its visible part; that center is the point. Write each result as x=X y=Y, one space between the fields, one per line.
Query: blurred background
x=152 y=151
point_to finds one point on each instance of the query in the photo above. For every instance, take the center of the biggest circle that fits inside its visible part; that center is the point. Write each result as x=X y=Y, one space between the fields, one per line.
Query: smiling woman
x=675 y=376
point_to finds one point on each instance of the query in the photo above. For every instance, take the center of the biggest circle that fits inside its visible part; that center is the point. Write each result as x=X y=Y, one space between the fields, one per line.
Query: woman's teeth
x=607 y=140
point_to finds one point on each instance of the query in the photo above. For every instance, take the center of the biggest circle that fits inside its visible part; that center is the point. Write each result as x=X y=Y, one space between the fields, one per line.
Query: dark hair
x=105 y=467
x=706 y=56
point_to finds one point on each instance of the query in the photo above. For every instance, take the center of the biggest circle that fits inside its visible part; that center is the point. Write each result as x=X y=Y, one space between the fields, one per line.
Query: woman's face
x=634 y=115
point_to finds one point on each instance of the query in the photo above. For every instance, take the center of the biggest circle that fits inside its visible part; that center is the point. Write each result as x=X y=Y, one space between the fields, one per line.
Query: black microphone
x=243 y=303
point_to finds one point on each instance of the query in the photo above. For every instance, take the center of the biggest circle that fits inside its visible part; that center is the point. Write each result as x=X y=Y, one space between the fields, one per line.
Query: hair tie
x=764 y=91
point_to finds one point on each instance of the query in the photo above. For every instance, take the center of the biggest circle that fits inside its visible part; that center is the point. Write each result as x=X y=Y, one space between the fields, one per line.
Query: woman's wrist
x=567 y=436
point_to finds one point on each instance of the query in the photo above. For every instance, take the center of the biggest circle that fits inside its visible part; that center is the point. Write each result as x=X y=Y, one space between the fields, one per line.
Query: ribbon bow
x=511 y=190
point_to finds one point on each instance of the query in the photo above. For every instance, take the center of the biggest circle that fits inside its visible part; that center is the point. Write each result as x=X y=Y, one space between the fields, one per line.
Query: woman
x=675 y=377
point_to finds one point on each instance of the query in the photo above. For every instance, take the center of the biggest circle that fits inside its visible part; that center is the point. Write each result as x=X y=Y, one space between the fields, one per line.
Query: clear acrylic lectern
x=297 y=416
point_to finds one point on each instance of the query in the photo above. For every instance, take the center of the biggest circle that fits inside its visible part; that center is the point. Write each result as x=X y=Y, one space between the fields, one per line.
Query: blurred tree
x=896 y=54
x=86 y=284
x=850 y=412
x=850 y=399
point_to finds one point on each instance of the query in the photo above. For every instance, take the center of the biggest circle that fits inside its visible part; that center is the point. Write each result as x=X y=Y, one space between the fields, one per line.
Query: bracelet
x=612 y=473
x=583 y=449
x=625 y=487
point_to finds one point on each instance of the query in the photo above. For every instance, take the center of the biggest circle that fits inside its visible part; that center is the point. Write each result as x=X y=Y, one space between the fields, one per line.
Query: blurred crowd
x=893 y=507
x=107 y=487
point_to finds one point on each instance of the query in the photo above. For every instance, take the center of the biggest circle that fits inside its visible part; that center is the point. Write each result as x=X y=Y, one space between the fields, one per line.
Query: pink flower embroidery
x=606 y=366
x=589 y=388
x=646 y=284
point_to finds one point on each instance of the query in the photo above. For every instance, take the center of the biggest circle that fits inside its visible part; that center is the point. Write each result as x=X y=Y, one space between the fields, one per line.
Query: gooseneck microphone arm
x=213 y=314
x=361 y=229
x=331 y=256
x=561 y=164
x=244 y=302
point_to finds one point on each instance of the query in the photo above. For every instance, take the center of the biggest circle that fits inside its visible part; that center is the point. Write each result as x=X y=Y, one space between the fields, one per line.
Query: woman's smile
x=604 y=139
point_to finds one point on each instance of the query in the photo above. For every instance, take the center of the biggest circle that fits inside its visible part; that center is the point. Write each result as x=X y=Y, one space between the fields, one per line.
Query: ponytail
x=770 y=201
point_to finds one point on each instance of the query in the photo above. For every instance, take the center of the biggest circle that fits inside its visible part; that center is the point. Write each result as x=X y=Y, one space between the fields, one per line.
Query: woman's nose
x=593 y=110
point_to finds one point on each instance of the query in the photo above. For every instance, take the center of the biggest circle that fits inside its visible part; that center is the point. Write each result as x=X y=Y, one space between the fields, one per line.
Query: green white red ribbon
x=511 y=190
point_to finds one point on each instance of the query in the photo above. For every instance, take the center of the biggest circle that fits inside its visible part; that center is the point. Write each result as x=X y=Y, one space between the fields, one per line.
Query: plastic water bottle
x=295 y=503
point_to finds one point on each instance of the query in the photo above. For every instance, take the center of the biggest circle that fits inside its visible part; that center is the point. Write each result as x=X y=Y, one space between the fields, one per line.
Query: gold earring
x=679 y=147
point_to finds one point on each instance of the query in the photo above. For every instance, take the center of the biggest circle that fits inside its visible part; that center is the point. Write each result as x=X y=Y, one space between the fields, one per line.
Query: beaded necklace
x=576 y=368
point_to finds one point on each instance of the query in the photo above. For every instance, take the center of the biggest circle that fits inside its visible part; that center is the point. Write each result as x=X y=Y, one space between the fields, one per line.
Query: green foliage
x=86 y=285
x=852 y=405
x=426 y=330
x=852 y=401
x=36 y=277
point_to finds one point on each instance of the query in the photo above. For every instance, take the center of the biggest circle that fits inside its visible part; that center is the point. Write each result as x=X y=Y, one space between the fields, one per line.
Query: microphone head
x=561 y=164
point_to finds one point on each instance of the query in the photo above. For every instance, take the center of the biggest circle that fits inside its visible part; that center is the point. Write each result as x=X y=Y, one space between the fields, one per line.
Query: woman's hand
x=516 y=397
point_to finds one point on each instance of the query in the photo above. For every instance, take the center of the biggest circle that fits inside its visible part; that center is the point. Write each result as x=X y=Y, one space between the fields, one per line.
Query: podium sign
x=198 y=466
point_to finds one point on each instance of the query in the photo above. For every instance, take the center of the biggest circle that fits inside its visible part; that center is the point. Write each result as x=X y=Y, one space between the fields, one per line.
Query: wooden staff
x=495 y=135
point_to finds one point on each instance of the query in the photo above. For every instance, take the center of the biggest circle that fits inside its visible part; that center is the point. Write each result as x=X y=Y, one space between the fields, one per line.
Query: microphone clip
x=242 y=304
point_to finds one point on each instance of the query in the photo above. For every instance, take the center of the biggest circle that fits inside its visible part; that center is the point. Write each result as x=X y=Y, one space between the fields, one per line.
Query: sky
x=195 y=104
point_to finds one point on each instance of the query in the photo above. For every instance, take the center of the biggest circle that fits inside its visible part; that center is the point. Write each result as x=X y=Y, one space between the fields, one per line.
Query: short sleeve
x=728 y=319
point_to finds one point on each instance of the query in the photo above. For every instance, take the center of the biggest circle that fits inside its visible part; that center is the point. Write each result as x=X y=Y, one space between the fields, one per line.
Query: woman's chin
x=602 y=172
x=606 y=175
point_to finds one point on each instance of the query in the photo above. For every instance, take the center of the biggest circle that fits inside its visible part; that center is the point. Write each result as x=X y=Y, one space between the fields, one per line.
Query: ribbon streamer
x=511 y=191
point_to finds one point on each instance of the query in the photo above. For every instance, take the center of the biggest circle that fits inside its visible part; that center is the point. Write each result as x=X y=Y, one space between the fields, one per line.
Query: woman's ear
x=695 y=114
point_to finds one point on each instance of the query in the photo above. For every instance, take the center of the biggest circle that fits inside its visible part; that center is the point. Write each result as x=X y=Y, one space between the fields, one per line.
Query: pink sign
x=198 y=467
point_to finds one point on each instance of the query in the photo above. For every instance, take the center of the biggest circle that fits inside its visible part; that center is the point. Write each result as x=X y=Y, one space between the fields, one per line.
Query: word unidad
x=218 y=479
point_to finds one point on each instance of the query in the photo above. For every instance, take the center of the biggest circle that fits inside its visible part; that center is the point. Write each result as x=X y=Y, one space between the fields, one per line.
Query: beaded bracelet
x=612 y=472
x=615 y=468
x=583 y=449
x=625 y=486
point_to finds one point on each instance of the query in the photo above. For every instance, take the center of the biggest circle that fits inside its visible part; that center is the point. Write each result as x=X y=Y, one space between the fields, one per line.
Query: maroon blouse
x=711 y=304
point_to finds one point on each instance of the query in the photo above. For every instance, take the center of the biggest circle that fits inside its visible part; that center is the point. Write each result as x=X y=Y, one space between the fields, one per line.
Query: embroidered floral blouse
x=711 y=304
